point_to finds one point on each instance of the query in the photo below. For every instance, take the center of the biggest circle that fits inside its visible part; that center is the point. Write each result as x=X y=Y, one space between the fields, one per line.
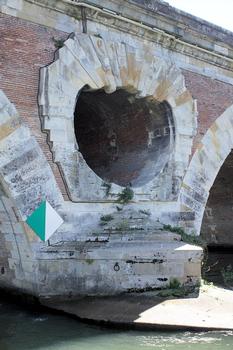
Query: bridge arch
x=207 y=162
x=25 y=180
x=110 y=64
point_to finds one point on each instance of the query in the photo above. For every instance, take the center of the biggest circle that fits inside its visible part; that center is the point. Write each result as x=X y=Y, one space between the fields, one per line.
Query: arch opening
x=217 y=223
x=124 y=139
x=217 y=227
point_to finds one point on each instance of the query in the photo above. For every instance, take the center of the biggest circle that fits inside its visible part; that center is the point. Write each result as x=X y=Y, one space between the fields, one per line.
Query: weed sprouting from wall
x=126 y=195
x=58 y=43
x=188 y=238
x=106 y=218
x=107 y=187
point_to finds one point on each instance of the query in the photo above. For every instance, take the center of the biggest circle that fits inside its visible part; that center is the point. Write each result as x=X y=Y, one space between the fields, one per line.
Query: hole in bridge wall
x=218 y=216
x=124 y=139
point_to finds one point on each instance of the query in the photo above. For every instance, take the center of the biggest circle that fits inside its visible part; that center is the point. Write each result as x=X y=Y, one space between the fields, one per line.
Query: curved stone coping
x=111 y=63
x=211 y=153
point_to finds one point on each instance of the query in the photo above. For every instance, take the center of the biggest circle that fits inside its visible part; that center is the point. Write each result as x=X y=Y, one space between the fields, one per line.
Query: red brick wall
x=212 y=96
x=24 y=48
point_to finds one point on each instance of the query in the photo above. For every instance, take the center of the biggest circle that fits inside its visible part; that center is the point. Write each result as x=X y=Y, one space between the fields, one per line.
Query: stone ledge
x=114 y=268
x=210 y=310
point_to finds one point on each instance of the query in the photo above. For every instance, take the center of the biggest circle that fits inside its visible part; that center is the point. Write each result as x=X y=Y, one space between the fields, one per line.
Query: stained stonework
x=118 y=106
x=86 y=60
x=17 y=265
x=23 y=166
x=25 y=180
x=204 y=167
x=82 y=257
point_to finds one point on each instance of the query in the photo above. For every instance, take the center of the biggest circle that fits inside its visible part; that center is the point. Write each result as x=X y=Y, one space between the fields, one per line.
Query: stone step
x=163 y=236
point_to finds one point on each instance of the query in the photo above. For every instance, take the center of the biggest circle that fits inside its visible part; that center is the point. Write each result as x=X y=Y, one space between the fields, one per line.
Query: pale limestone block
x=102 y=54
x=183 y=124
x=112 y=54
x=221 y=149
x=135 y=62
x=145 y=73
x=221 y=49
x=59 y=135
x=14 y=144
x=89 y=59
x=122 y=62
x=82 y=67
x=15 y=4
x=154 y=78
x=178 y=85
x=182 y=145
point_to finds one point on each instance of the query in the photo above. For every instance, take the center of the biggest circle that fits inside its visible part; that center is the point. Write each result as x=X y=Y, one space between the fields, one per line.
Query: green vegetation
x=178 y=293
x=124 y=225
x=58 y=43
x=126 y=195
x=174 y=283
x=174 y=289
x=191 y=239
x=106 y=218
x=107 y=188
x=227 y=275
x=89 y=261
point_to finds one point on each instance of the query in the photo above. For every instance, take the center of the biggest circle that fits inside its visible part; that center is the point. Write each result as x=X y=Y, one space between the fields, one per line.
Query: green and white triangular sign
x=44 y=221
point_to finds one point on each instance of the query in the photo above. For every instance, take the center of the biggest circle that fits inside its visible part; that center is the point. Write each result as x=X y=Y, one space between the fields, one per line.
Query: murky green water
x=215 y=263
x=26 y=329
x=23 y=329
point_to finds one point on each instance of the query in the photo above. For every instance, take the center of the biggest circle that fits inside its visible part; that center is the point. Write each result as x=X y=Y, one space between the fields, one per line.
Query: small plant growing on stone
x=106 y=218
x=107 y=187
x=119 y=208
x=126 y=195
x=174 y=283
x=124 y=225
x=58 y=43
x=175 y=289
x=89 y=261
x=191 y=239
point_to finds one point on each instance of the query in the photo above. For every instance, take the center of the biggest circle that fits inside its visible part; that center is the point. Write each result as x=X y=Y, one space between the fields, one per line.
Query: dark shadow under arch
x=124 y=139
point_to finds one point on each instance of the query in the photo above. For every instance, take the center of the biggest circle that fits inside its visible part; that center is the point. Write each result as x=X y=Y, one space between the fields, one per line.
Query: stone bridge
x=120 y=115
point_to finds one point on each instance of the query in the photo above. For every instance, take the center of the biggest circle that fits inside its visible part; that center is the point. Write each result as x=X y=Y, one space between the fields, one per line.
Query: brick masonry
x=26 y=47
x=213 y=98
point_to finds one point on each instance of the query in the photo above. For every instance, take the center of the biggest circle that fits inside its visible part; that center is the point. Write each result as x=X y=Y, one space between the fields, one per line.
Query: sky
x=219 y=12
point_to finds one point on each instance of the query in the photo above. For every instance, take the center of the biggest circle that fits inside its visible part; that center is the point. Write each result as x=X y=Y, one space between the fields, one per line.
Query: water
x=217 y=261
x=24 y=329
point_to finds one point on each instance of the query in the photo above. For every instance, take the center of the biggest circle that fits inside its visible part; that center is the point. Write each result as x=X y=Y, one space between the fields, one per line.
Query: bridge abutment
x=124 y=138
